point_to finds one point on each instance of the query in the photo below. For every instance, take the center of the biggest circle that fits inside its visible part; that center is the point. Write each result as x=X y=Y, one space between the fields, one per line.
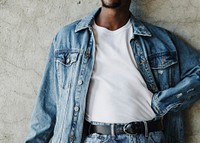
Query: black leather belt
x=131 y=128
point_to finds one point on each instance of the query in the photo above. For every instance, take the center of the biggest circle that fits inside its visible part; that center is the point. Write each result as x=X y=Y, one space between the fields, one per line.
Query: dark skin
x=114 y=14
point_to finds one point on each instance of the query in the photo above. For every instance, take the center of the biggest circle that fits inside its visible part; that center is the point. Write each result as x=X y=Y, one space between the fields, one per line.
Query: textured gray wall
x=26 y=30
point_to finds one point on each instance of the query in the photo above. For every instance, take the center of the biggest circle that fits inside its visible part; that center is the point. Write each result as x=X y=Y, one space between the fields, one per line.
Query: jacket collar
x=138 y=27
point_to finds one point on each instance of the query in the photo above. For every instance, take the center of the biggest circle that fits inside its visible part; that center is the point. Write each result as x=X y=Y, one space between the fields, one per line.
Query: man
x=112 y=78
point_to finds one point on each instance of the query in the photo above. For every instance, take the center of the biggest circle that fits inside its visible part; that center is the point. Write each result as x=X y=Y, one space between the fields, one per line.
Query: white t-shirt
x=117 y=92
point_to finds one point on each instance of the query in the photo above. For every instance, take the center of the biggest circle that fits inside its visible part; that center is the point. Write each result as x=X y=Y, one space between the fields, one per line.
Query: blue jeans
x=153 y=137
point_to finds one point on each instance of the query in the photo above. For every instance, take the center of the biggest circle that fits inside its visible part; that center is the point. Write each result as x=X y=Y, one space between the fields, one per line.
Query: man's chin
x=113 y=6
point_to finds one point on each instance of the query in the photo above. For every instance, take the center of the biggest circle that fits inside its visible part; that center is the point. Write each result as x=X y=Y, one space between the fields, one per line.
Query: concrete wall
x=26 y=30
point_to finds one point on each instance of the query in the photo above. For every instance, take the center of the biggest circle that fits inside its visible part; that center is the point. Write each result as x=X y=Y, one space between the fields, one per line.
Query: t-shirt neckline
x=107 y=31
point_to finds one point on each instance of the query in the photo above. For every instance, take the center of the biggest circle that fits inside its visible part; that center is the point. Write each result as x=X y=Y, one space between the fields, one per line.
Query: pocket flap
x=162 y=60
x=66 y=57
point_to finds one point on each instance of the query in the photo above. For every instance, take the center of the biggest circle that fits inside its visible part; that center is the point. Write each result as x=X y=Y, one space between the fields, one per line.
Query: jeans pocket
x=156 y=137
x=95 y=138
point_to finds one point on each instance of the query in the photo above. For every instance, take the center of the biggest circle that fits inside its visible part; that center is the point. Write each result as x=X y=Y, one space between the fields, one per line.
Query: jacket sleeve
x=187 y=91
x=44 y=114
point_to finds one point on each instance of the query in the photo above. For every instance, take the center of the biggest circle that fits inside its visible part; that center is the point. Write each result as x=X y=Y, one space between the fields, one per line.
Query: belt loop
x=89 y=128
x=146 y=132
x=161 y=121
x=113 y=129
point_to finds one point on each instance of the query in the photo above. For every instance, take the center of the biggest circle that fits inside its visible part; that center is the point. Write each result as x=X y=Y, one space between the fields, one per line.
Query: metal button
x=143 y=61
x=68 y=60
x=72 y=137
x=87 y=55
x=76 y=108
x=80 y=82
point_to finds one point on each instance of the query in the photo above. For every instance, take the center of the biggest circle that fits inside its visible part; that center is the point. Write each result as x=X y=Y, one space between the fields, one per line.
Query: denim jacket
x=169 y=67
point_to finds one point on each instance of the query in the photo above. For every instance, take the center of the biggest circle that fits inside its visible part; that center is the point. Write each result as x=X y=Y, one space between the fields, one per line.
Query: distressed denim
x=153 y=137
x=169 y=67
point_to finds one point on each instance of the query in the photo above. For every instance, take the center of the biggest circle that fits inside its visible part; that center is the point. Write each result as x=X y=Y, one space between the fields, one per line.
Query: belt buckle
x=129 y=125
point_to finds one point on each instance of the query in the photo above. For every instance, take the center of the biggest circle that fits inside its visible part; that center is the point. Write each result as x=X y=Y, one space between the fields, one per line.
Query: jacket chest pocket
x=162 y=67
x=65 y=65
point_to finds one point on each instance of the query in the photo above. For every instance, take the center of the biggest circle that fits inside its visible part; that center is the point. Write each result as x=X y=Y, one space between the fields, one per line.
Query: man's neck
x=112 y=19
